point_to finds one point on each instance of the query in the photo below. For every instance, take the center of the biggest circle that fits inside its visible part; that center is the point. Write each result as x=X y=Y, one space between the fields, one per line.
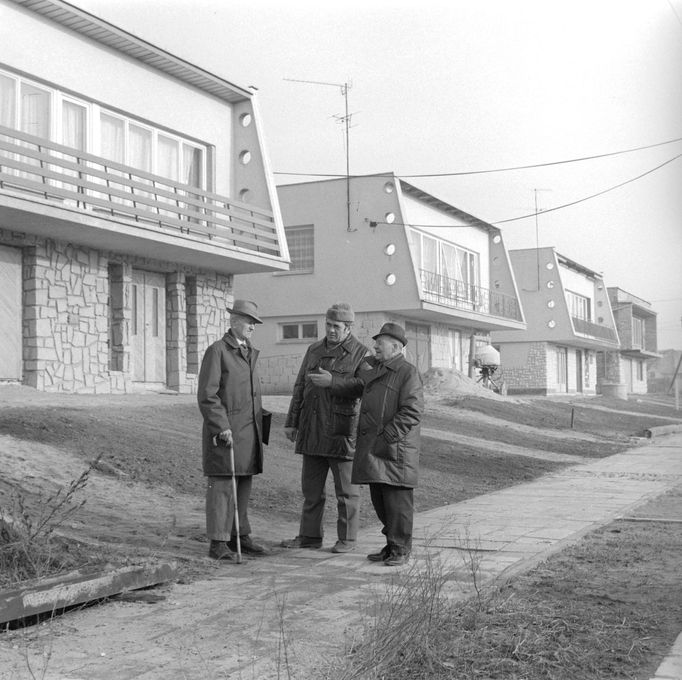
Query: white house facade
x=571 y=336
x=133 y=187
x=637 y=331
x=395 y=253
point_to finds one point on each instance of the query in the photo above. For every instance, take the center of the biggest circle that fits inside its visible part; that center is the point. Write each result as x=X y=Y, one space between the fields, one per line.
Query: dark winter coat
x=326 y=417
x=229 y=396
x=387 y=450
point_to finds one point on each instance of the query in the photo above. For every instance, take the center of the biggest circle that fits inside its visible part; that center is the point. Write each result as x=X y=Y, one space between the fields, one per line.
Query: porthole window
x=390 y=279
x=390 y=218
x=389 y=187
x=245 y=119
x=245 y=157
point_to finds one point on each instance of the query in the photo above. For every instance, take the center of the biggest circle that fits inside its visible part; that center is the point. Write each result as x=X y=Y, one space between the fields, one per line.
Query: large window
x=579 y=306
x=448 y=270
x=637 y=333
x=301 y=242
x=51 y=114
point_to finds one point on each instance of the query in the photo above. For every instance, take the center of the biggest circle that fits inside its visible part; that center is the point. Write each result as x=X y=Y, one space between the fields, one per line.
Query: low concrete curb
x=662 y=430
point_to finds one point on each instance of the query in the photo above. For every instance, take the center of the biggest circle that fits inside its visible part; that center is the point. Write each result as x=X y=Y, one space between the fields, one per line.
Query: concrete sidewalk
x=281 y=616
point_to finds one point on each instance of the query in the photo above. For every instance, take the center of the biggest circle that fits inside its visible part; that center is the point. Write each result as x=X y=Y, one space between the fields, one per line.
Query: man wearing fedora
x=387 y=453
x=229 y=396
x=322 y=420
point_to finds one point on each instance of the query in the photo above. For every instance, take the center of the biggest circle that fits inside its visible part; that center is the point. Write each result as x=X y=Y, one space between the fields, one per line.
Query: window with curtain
x=447 y=268
x=8 y=101
x=35 y=111
x=579 y=306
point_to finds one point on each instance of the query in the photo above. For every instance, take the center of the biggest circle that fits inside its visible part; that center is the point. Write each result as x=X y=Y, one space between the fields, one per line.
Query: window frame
x=303 y=270
x=300 y=338
x=93 y=139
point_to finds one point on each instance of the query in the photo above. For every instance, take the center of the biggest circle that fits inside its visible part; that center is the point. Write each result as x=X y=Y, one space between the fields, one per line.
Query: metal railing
x=457 y=294
x=70 y=177
x=594 y=330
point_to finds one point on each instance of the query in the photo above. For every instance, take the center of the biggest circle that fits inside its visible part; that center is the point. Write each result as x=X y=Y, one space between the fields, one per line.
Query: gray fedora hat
x=394 y=331
x=245 y=308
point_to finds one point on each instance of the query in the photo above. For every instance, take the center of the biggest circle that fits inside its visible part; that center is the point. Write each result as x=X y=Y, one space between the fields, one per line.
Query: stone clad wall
x=66 y=311
x=77 y=316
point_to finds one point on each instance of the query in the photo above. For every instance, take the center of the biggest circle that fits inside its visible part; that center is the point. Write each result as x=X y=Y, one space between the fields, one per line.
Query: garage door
x=10 y=313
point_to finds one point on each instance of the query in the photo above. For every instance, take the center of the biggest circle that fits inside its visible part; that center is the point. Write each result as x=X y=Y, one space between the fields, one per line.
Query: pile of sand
x=447 y=382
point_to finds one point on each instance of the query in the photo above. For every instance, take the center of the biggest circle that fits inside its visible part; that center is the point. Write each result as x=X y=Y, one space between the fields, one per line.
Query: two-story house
x=395 y=253
x=133 y=187
x=636 y=324
x=571 y=330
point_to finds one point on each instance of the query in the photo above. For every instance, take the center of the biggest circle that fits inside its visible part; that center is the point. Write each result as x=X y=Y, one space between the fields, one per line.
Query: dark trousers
x=220 y=524
x=394 y=506
x=313 y=481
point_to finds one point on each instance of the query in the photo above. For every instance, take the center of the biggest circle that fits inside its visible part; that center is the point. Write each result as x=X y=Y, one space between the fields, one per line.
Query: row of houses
x=136 y=201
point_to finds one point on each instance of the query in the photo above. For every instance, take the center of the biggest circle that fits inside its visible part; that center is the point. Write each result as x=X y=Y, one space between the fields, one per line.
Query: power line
x=587 y=198
x=507 y=169
x=542 y=212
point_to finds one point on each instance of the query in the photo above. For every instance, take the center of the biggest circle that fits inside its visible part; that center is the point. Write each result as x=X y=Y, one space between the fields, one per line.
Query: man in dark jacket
x=322 y=421
x=387 y=454
x=229 y=397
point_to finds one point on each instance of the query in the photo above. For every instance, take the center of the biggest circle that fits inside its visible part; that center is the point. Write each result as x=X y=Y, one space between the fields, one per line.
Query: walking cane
x=236 y=506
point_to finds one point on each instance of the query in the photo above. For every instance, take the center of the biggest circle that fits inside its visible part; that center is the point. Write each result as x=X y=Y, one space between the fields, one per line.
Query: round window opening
x=390 y=249
x=245 y=119
x=390 y=279
x=245 y=157
x=389 y=188
x=390 y=218
x=245 y=195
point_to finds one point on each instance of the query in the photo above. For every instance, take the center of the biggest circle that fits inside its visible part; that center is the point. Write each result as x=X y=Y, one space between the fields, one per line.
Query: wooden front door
x=10 y=313
x=418 y=351
x=578 y=370
x=148 y=299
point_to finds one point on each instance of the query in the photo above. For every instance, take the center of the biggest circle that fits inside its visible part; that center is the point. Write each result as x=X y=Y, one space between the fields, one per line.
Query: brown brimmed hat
x=394 y=331
x=245 y=308
x=341 y=311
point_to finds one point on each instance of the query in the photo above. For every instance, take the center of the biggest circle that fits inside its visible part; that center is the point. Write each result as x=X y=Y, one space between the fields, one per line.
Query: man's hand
x=290 y=433
x=321 y=379
x=226 y=436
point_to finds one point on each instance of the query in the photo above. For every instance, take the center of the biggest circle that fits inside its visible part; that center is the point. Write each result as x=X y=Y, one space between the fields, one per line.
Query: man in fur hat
x=322 y=420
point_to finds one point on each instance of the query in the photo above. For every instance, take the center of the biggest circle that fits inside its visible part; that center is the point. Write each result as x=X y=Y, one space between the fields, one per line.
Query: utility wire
x=587 y=198
x=508 y=169
x=541 y=212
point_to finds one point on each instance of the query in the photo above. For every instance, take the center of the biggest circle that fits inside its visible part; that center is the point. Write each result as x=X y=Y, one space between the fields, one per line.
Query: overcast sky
x=459 y=86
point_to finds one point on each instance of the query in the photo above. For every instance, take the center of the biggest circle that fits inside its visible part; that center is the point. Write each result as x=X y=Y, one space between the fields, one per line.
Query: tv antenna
x=345 y=119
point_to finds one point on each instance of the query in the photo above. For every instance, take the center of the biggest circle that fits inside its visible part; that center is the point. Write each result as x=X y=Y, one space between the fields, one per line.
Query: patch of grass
x=608 y=607
x=29 y=545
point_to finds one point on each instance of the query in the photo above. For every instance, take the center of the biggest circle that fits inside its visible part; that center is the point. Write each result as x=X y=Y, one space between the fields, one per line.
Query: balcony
x=165 y=218
x=593 y=330
x=457 y=294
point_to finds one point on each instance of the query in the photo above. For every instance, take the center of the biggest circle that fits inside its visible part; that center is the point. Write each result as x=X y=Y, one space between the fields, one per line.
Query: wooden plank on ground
x=78 y=588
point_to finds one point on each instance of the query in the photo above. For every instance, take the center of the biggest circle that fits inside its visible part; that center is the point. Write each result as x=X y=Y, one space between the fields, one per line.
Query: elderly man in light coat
x=387 y=450
x=229 y=396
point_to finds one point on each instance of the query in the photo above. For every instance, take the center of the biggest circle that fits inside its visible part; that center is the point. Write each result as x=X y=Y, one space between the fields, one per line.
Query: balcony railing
x=460 y=295
x=77 y=179
x=594 y=330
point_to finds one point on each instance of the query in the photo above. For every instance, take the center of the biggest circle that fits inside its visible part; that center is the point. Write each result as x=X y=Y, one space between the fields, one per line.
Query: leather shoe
x=379 y=556
x=396 y=559
x=220 y=550
x=343 y=546
x=303 y=542
x=247 y=545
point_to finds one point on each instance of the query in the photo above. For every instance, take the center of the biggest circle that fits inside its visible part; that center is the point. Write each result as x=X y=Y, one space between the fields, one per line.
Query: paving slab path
x=285 y=615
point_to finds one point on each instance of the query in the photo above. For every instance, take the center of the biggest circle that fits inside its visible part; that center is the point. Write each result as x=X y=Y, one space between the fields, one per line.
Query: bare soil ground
x=145 y=497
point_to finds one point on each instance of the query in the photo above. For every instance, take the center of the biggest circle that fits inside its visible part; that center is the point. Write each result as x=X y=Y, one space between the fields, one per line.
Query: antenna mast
x=346 y=120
